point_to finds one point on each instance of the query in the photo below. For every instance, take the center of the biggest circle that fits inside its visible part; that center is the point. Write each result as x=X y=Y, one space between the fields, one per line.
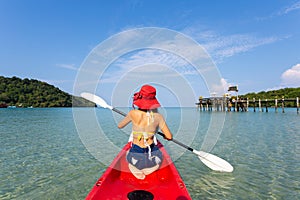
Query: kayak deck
x=117 y=181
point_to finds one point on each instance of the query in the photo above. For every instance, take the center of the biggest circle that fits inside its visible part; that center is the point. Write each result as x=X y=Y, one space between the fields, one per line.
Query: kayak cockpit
x=118 y=182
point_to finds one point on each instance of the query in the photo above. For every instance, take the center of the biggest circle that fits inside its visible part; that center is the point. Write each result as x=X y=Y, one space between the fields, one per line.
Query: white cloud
x=219 y=89
x=224 y=46
x=153 y=59
x=283 y=11
x=291 y=77
x=67 y=66
x=228 y=46
x=225 y=83
x=150 y=56
x=295 y=6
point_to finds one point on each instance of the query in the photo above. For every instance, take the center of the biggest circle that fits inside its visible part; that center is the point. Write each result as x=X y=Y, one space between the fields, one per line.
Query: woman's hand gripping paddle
x=213 y=162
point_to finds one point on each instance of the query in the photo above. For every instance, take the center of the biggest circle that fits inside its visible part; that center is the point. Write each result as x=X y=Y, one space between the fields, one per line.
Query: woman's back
x=145 y=121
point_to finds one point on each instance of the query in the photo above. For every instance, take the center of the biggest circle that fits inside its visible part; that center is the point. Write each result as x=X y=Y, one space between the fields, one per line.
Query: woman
x=144 y=157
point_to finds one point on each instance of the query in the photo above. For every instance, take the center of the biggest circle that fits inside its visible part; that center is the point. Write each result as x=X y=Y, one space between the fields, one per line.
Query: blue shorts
x=139 y=157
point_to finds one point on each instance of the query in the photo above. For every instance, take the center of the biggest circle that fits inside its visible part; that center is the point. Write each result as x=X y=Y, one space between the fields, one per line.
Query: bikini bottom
x=141 y=158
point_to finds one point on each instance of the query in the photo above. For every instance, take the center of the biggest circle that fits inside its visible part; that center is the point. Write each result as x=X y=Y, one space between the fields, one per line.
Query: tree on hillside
x=30 y=92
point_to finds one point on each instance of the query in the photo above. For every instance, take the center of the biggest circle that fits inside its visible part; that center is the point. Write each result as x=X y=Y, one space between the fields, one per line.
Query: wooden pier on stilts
x=227 y=104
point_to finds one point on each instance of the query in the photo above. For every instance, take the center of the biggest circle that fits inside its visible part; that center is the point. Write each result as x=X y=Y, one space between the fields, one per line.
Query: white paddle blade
x=214 y=162
x=97 y=100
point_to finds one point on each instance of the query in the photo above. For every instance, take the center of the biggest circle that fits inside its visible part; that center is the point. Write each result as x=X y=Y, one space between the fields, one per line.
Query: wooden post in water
x=297 y=102
x=223 y=104
x=267 y=105
x=235 y=105
x=276 y=105
x=253 y=104
x=282 y=104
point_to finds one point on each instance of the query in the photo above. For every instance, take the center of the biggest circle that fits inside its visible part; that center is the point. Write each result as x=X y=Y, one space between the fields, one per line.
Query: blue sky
x=254 y=44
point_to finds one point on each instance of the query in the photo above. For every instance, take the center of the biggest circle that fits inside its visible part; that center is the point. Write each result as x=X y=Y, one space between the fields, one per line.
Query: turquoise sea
x=43 y=156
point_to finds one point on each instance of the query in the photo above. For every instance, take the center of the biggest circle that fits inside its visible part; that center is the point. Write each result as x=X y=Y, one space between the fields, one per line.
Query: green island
x=275 y=94
x=285 y=93
x=17 y=92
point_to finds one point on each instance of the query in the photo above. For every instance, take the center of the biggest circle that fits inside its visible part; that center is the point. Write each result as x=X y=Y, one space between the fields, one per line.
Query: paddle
x=210 y=160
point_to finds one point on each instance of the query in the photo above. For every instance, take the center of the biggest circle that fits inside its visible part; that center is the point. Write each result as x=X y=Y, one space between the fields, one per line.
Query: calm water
x=42 y=156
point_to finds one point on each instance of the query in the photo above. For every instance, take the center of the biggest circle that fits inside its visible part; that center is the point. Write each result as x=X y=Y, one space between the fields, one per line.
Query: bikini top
x=143 y=134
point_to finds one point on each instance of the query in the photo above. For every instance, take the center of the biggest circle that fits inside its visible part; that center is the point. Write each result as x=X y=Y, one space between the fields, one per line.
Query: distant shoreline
x=26 y=92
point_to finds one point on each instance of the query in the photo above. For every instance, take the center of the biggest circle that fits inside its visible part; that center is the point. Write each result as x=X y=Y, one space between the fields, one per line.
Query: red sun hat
x=145 y=98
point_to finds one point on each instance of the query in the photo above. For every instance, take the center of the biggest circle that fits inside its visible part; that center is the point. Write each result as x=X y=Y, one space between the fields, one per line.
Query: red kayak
x=118 y=183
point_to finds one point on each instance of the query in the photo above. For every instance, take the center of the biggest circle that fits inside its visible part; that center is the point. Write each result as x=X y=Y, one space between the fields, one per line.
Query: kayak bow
x=118 y=182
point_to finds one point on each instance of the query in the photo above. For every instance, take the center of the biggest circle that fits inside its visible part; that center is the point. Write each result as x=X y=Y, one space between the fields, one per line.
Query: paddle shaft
x=119 y=111
x=177 y=142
